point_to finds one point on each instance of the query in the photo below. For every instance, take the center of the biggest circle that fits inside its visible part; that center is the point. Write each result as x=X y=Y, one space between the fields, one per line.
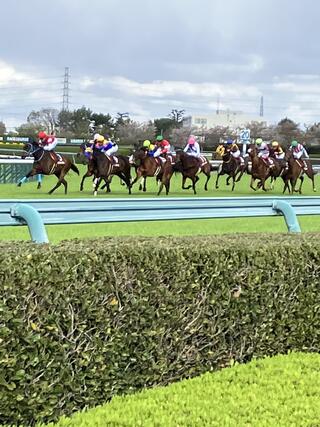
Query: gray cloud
x=146 y=56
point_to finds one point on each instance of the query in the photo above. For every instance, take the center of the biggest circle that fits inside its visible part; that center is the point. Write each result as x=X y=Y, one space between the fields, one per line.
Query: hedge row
x=83 y=321
x=279 y=391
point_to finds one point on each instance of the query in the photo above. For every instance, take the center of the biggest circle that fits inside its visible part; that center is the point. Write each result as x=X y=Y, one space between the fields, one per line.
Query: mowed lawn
x=154 y=228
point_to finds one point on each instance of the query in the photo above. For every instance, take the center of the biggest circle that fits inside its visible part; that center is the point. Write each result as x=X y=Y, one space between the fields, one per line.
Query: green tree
x=287 y=130
x=164 y=126
x=104 y=123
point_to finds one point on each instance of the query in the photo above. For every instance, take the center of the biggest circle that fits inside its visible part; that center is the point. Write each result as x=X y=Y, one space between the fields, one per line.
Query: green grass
x=278 y=391
x=156 y=228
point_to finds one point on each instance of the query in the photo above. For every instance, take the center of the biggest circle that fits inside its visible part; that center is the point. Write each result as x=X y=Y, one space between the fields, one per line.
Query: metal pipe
x=27 y=214
x=289 y=215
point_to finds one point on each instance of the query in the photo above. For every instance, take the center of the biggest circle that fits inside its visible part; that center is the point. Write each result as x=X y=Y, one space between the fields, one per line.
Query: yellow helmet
x=275 y=144
x=259 y=141
x=146 y=143
x=100 y=138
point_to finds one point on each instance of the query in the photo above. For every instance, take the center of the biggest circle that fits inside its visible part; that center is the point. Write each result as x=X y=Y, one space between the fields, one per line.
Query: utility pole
x=65 y=93
x=218 y=104
x=261 y=106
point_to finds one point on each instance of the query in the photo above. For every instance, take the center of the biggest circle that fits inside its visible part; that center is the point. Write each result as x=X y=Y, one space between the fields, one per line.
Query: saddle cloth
x=56 y=158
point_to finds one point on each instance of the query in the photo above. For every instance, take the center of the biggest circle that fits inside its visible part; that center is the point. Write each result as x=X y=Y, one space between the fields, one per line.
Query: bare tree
x=45 y=119
x=134 y=133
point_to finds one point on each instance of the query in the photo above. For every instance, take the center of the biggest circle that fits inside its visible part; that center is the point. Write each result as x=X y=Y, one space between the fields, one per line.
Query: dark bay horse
x=161 y=169
x=48 y=163
x=86 y=151
x=297 y=169
x=190 y=167
x=231 y=167
x=106 y=167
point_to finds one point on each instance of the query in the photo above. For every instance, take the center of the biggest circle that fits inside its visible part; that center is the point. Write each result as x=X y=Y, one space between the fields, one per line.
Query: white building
x=233 y=119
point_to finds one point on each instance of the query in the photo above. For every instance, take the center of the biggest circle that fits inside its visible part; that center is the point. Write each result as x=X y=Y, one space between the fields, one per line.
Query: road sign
x=244 y=136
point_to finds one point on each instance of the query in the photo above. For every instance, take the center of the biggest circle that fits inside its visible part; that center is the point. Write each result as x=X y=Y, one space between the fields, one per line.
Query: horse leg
x=301 y=181
x=86 y=175
x=217 y=181
x=252 y=183
x=228 y=180
x=60 y=176
x=194 y=181
x=208 y=175
x=96 y=185
x=233 y=182
x=184 y=178
x=25 y=178
x=144 y=184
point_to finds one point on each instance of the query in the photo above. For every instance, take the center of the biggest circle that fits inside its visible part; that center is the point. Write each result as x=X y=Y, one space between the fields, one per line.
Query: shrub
x=86 y=320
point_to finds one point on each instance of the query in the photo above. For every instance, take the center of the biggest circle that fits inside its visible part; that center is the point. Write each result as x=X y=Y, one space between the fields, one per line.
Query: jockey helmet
x=259 y=141
x=294 y=143
x=100 y=138
x=159 y=138
x=146 y=143
x=191 y=140
x=96 y=136
x=275 y=144
x=42 y=135
x=229 y=141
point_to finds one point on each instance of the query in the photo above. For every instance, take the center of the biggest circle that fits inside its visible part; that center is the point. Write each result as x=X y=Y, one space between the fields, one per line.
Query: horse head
x=86 y=150
x=30 y=148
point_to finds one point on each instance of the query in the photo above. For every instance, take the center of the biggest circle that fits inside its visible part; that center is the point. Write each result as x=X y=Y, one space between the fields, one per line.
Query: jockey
x=278 y=151
x=234 y=150
x=99 y=142
x=47 y=142
x=163 y=146
x=298 y=150
x=147 y=145
x=263 y=151
x=109 y=147
x=192 y=148
x=220 y=150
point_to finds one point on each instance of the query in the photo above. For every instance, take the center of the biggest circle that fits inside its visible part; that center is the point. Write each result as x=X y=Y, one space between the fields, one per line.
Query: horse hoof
x=314 y=189
x=19 y=184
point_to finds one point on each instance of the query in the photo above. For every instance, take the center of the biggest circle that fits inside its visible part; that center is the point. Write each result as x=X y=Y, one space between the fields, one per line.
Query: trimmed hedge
x=83 y=321
x=279 y=391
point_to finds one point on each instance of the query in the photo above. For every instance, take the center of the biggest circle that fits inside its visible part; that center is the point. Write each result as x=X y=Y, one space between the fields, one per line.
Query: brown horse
x=297 y=169
x=231 y=167
x=107 y=166
x=161 y=169
x=190 y=167
x=261 y=170
x=48 y=163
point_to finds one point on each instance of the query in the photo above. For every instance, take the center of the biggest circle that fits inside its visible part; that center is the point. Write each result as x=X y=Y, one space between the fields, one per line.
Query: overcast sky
x=147 y=57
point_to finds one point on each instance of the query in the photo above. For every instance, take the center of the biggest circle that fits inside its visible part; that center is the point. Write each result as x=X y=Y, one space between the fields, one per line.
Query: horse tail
x=74 y=168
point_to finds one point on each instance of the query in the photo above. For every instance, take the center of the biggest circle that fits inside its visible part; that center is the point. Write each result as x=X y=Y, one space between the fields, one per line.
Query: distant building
x=233 y=119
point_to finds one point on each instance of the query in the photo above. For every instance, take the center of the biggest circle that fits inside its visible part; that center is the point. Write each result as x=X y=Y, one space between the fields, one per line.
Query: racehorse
x=261 y=170
x=297 y=169
x=230 y=166
x=190 y=167
x=106 y=167
x=86 y=150
x=48 y=163
x=160 y=168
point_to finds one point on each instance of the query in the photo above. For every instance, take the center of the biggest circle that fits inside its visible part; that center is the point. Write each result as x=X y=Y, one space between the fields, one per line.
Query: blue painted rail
x=36 y=213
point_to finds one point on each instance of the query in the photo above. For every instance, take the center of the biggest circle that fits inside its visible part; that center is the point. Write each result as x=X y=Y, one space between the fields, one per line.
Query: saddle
x=57 y=158
x=203 y=160
x=113 y=160
x=160 y=160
